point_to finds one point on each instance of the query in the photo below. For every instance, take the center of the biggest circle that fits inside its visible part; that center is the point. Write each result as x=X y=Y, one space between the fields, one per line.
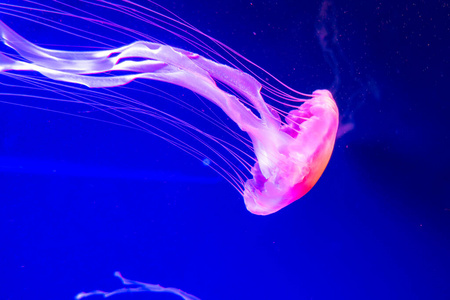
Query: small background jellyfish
x=81 y=199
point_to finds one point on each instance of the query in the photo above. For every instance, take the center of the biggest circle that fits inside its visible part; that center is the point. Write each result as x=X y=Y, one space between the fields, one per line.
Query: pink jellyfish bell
x=293 y=157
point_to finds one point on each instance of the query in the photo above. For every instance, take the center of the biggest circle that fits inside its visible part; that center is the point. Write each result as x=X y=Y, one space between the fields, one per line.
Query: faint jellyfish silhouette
x=349 y=84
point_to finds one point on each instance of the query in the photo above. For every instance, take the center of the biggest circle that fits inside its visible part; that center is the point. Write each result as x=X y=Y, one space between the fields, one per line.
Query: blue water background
x=81 y=199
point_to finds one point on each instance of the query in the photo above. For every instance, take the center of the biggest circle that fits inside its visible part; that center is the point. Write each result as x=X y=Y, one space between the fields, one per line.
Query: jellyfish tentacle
x=137 y=287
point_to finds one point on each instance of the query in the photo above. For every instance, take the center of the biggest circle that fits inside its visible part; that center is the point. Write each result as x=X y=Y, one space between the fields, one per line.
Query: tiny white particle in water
x=206 y=162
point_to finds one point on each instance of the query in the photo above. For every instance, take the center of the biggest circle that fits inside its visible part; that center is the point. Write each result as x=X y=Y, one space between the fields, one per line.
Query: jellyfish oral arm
x=158 y=62
x=132 y=286
x=290 y=156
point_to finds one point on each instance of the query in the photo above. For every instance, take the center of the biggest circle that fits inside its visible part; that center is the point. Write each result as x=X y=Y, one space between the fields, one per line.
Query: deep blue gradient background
x=81 y=199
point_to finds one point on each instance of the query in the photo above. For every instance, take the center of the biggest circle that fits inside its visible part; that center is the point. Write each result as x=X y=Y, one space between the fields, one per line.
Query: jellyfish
x=290 y=155
x=290 y=150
